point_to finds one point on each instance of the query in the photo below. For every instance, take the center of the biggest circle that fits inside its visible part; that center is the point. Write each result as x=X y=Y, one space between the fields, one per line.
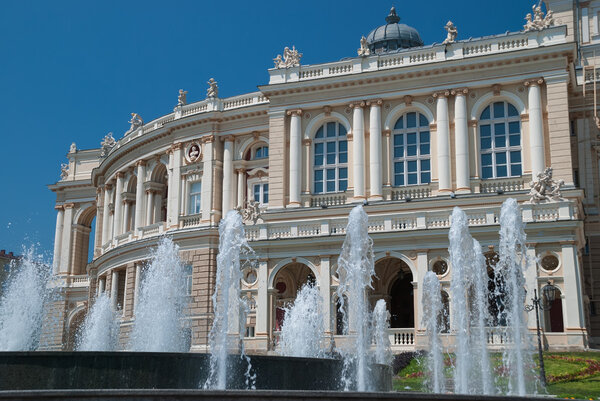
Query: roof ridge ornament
x=392 y=18
x=538 y=21
x=291 y=58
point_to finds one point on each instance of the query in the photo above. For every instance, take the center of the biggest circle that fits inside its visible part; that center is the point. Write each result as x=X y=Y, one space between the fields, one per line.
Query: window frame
x=261 y=192
x=339 y=168
x=418 y=129
x=191 y=195
x=492 y=122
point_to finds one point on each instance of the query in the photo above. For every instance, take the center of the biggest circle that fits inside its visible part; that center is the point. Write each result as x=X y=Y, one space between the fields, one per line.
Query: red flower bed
x=592 y=368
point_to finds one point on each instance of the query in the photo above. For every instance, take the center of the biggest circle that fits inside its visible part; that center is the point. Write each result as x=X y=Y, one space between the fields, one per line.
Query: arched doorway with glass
x=286 y=284
x=394 y=283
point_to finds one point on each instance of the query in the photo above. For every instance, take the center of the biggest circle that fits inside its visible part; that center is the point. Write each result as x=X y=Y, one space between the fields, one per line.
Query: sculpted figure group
x=291 y=58
x=545 y=188
x=538 y=21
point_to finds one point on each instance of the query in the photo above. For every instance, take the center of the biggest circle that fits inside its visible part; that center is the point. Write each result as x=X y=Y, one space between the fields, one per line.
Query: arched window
x=412 y=165
x=262 y=152
x=500 y=141
x=331 y=158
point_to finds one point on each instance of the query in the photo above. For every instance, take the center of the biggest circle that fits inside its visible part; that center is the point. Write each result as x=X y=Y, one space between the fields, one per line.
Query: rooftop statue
x=182 y=98
x=537 y=21
x=73 y=148
x=107 y=144
x=64 y=171
x=136 y=121
x=545 y=188
x=291 y=58
x=452 y=33
x=213 y=89
x=364 y=48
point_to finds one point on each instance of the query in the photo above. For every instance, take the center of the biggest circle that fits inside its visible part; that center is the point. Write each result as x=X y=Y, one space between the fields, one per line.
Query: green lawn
x=580 y=388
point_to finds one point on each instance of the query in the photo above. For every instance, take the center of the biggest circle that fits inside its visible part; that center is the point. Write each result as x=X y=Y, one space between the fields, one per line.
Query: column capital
x=59 y=207
x=107 y=187
x=441 y=94
x=296 y=112
x=433 y=127
x=386 y=132
x=374 y=102
x=534 y=82
x=69 y=205
x=524 y=117
x=473 y=123
x=357 y=104
x=240 y=170
x=459 y=91
x=208 y=139
x=227 y=138
x=306 y=142
x=120 y=174
x=98 y=190
x=349 y=136
x=176 y=146
x=140 y=163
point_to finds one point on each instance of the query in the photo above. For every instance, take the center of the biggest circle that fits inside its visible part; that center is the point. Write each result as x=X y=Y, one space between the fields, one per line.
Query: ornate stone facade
x=410 y=132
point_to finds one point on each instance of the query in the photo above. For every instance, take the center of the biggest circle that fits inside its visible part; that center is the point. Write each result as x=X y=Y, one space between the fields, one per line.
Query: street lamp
x=545 y=304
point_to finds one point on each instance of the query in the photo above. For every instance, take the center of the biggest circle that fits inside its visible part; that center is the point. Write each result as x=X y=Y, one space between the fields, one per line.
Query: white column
x=536 y=127
x=126 y=216
x=295 y=180
x=65 y=245
x=114 y=288
x=106 y=214
x=227 y=175
x=422 y=267
x=358 y=147
x=325 y=290
x=461 y=141
x=149 y=207
x=173 y=203
x=375 y=169
x=139 y=195
x=101 y=285
x=573 y=315
x=443 y=142
x=118 y=215
x=241 y=186
x=136 y=287
x=262 y=301
x=207 y=176
x=60 y=216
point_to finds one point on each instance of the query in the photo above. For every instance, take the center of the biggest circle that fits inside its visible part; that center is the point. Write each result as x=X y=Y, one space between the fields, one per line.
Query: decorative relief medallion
x=193 y=152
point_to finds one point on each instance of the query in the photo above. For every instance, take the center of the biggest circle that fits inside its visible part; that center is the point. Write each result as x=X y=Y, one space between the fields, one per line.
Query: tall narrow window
x=331 y=159
x=500 y=141
x=261 y=152
x=412 y=164
x=261 y=193
x=195 y=206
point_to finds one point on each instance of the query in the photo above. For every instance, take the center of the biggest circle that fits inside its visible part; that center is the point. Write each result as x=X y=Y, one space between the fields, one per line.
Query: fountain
x=229 y=308
x=25 y=295
x=100 y=330
x=470 y=311
x=303 y=325
x=158 y=325
x=510 y=287
x=383 y=353
x=356 y=268
x=432 y=308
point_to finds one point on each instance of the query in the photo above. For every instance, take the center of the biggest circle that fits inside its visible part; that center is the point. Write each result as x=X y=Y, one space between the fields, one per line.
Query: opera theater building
x=407 y=129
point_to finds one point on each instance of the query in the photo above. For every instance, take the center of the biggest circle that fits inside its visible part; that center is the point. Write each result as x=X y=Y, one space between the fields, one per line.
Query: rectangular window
x=257 y=193
x=188 y=269
x=265 y=194
x=195 y=205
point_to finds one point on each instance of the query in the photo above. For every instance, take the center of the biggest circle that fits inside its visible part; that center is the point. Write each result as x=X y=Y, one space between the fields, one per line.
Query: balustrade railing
x=401 y=337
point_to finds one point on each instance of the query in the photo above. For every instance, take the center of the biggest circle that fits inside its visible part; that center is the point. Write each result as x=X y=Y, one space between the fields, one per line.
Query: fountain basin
x=46 y=370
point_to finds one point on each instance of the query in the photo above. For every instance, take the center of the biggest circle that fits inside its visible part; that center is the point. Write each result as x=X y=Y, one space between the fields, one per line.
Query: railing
x=193 y=220
x=497 y=336
x=504 y=184
x=413 y=192
x=402 y=337
x=79 y=281
x=503 y=43
x=407 y=221
x=338 y=198
x=152 y=230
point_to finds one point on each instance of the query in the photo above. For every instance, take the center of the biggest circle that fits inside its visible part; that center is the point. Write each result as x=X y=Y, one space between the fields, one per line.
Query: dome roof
x=393 y=36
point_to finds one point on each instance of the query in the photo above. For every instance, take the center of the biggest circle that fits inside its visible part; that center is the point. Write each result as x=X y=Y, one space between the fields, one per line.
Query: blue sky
x=74 y=70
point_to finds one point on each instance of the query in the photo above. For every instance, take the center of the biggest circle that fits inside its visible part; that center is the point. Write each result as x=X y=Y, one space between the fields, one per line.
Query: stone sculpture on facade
x=291 y=58
x=73 y=148
x=452 y=33
x=107 y=144
x=545 y=188
x=213 y=89
x=537 y=21
x=251 y=213
x=64 y=171
x=364 y=48
x=182 y=98
x=136 y=121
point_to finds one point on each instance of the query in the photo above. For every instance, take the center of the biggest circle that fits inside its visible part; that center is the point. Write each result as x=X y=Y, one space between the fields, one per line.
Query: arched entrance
x=394 y=284
x=553 y=318
x=83 y=242
x=288 y=281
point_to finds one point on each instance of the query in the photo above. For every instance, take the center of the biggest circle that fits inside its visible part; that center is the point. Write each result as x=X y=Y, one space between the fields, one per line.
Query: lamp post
x=544 y=303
